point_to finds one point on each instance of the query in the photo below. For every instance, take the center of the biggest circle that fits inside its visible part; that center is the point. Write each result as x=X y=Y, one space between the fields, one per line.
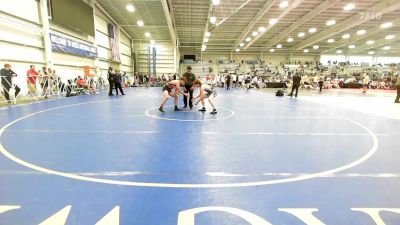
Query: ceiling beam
x=316 y=11
x=232 y=13
x=294 y=5
x=267 y=5
x=382 y=7
x=171 y=25
x=377 y=44
x=207 y=21
x=355 y=38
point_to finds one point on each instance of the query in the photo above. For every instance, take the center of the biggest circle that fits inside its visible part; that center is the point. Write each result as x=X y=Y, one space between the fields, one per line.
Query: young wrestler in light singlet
x=206 y=91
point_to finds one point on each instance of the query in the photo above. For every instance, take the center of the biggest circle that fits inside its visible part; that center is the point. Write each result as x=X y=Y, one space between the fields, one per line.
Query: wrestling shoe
x=214 y=112
x=202 y=109
x=161 y=109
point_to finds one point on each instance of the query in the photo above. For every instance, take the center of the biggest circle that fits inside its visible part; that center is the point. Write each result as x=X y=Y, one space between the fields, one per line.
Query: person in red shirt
x=31 y=80
x=81 y=83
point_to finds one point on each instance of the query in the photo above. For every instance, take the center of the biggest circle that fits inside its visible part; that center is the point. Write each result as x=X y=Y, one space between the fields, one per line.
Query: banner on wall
x=66 y=45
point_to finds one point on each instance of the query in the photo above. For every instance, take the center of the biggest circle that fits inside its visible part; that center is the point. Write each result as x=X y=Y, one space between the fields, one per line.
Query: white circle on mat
x=362 y=159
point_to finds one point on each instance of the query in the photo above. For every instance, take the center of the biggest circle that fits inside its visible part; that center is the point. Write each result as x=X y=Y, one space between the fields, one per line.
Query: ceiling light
x=208 y=34
x=152 y=42
x=386 y=48
x=248 y=39
x=205 y=40
x=305 y=50
x=290 y=40
x=389 y=37
x=283 y=4
x=316 y=47
x=237 y=50
x=331 y=40
x=213 y=19
x=147 y=34
x=261 y=29
x=279 y=46
x=349 y=7
x=371 y=52
x=330 y=22
x=339 y=51
x=301 y=34
x=216 y=2
x=312 y=30
x=255 y=33
x=140 y=23
x=203 y=48
x=386 y=25
x=130 y=8
x=272 y=50
x=361 y=32
x=241 y=44
x=345 y=36
x=370 y=42
x=352 y=46
x=273 y=21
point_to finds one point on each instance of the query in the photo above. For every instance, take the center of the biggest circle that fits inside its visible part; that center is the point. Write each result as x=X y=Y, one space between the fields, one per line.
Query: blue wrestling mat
x=262 y=160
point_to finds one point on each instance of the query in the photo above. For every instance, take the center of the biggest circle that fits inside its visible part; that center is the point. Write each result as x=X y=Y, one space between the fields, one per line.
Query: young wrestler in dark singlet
x=168 y=91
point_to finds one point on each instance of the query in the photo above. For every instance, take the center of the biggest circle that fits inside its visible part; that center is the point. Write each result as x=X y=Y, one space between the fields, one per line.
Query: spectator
x=44 y=82
x=117 y=82
x=110 y=78
x=398 y=89
x=81 y=83
x=32 y=74
x=228 y=82
x=6 y=81
x=296 y=84
x=365 y=82
x=321 y=82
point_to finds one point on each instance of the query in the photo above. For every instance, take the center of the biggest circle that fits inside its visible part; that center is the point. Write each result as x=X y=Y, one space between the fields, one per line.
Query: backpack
x=279 y=93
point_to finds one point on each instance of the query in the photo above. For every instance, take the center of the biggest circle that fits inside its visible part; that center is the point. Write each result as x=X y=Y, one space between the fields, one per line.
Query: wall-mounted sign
x=66 y=45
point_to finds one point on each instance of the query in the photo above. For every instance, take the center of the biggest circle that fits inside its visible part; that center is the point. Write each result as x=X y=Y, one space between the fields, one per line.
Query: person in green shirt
x=190 y=78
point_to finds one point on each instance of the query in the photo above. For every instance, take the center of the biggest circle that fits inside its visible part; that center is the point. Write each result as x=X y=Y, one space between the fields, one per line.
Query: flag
x=114 y=42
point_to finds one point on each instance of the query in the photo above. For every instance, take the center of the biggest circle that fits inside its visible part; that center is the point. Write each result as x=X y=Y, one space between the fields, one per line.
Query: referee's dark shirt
x=296 y=80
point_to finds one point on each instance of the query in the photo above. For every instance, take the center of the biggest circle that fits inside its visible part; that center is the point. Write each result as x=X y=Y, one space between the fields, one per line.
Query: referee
x=190 y=78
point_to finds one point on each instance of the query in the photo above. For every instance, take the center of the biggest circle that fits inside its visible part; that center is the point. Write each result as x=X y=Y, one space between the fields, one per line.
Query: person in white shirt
x=365 y=82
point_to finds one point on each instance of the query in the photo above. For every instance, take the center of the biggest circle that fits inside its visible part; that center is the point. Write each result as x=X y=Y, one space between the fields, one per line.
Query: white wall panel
x=20 y=53
x=63 y=59
x=126 y=50
x=102 y=52
x=26 y=9
x=100 y=23
x=124 y=39
x=10 y=34
x=102 y=40
x=103 y=65
x=125 y=60
x=127 y=69
x=165 y=62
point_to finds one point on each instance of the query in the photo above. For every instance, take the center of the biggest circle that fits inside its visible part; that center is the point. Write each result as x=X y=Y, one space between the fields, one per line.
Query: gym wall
x=21 y=42
x=166 y=57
